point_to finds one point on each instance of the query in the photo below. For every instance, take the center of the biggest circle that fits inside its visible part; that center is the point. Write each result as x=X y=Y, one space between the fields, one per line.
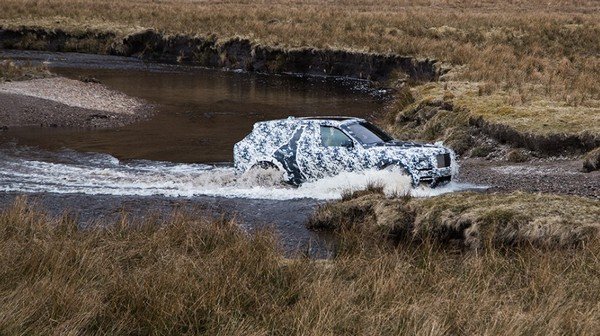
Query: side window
x=333 y=137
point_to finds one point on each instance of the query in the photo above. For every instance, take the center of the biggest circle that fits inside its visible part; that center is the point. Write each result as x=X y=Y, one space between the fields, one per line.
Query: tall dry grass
x=204 y=276
x=551 y=47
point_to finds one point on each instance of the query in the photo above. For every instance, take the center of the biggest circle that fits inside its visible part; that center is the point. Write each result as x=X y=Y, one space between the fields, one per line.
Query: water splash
x=69 y=172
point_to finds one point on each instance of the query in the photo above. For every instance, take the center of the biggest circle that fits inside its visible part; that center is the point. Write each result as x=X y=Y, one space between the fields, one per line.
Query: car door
x=329 y=151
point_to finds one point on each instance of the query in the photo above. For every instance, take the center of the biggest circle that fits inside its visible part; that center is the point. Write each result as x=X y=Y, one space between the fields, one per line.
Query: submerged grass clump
x=11 y=71
x=205 y=276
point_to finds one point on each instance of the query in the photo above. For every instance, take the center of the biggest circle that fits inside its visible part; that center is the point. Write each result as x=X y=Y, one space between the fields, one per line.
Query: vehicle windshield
x=368 y=134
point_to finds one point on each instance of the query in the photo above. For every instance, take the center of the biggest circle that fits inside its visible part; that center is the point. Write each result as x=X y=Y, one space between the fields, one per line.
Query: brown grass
x=449 y=111
x=472 y=220
x=200 y=276
x=591 y=160
x=10 y=71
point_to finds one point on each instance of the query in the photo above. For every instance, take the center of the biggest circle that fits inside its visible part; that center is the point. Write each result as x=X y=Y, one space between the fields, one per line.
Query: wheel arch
x=399 y=163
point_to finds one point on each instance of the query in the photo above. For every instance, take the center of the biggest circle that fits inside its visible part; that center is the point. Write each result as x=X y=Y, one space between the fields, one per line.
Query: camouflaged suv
x=306 y=149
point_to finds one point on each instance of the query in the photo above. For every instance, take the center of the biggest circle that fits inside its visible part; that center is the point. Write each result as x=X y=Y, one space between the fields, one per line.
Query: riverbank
x=470 y=220
x=62 y=102
x=233 y=53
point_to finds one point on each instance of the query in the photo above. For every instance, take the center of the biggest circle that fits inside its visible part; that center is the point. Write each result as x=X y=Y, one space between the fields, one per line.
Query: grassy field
x=537 y=57
x=204 y=276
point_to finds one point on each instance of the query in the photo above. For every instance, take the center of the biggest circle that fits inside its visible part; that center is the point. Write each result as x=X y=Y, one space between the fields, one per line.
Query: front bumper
x=433 y=177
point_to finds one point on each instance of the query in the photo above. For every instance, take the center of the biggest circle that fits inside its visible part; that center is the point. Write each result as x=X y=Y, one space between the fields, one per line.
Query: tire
x=265 y=173
x=396 y=168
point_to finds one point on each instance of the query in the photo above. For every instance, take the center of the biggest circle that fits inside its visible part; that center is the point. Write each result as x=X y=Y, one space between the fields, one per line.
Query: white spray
x=96 y=174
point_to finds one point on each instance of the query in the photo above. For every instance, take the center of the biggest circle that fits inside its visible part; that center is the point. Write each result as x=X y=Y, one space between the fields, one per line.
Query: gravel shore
x=546 y=176
x=62 y=102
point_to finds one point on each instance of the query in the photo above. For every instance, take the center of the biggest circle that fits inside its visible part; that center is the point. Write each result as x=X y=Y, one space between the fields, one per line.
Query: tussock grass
x=591 y=160
x=453 y=112
x=473 y=220
x=10 y=71
x=204 y=276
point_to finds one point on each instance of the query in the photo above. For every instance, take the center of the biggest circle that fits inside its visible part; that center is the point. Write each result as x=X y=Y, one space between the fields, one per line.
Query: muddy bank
x=440 y=119
x=234 y=53
x=542 y=143
x=287 y=218
x=61 y=102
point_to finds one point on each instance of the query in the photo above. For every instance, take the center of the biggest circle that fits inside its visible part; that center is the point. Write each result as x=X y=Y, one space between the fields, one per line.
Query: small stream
x=200 y=113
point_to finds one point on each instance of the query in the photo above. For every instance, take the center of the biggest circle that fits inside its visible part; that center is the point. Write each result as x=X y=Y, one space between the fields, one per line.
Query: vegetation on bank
x=467 y=219
x=554 y=45
x=591 y=161
x=10 y=71
x=205 y=276
x=473 y=123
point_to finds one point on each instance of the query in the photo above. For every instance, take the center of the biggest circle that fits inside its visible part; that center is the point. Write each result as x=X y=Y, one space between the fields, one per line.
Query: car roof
x=332 y=118
x=329 y=120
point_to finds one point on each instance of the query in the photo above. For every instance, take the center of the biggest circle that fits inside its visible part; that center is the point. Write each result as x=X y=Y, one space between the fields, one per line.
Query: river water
x=201 y=113
x=181 y=157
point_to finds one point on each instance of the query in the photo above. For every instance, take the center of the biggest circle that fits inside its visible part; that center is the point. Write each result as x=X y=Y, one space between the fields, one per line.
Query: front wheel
x=264 y=174
x=400 y=182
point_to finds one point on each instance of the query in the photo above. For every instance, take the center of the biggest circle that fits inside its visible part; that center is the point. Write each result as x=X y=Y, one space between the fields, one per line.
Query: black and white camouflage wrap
x=293 y=145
